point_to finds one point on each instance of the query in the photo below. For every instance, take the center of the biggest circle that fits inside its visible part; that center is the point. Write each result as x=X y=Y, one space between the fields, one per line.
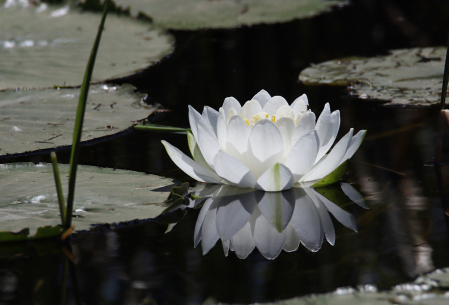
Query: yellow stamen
x=273 y=118
x=268 y=116
x=253 y=121
x=247 y=122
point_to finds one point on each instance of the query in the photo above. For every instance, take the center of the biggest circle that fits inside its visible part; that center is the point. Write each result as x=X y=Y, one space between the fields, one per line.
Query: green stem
x=65 y=272
x=155 y=127
x=80 y=118
x=445 y=78
x=59 y=191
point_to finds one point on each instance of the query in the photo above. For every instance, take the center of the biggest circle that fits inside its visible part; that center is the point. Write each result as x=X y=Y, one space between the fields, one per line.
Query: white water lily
x=265 y=144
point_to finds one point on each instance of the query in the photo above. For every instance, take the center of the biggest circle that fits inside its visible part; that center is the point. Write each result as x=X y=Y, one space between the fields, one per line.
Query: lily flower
x=265 y=144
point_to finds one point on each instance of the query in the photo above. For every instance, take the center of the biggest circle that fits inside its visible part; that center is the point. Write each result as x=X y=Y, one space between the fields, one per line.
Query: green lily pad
x=196 y=14
x=102 y=195
x=410 y=77
x=42 y=119
x=44 y=45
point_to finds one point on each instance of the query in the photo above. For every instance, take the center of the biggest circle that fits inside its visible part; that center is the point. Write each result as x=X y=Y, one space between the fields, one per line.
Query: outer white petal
x=287 y=127
x=189 y=166
x=303 y=154
x=326 y=221
x=354 y=145
x=231 y=102
x=211 y=116
x=354 y=195
x=233 y=171
x=291 y=239
x=196 y=152
x=200 y=220
x=273 y=104
x=299 y=106
x=332 y=131
x=237 y=133
x=221 y=128
x=277 y=178
x=306 y=124
x=331 y=161
x=277 y=207
x=243 y=242
x=250 y=109
x=322 y=125
x=262 y=97
x=341 y=215
x=208 y=144
x=306 y=221
x=268 y=240
x=233 y=213
x=226 y=247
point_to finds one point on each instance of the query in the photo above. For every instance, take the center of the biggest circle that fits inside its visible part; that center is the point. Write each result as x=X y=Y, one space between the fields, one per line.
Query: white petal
x=268 y=241
x=233 y=171
x=211 y=116
x=237 y=133
x=233 y=213
x=262 y=97
x=322 y=125
x=243 y=242
x=189 y=166
x=332 y=131
x=196 y=152
x=196 y=119
x=208 y=144
x=331 y=161
x=291 y=239
x=265 y=140
x=193 y=114
x=232 y=112
x=326 y=221
x=354 y=145
x=353 y=194
x=284 y=111
x=231 y=102
x=299 y=105
x=226 y=246
x=200 y=220
x=341 y=215
x=276 y=178
x=303 y=154
x=250 y=109
x=277 y=207
x=304 y=100
x=287 y=128
x=306 y=124
x=221 y=128
x=306 y=221
x=273 y=104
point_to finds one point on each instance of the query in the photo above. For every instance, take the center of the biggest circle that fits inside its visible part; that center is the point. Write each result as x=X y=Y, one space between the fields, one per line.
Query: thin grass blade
x=80 y=118
x=161 y=128
x=59 y=191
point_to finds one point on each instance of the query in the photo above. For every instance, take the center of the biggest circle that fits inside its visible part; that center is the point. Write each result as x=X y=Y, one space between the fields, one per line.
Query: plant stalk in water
x=61 y=201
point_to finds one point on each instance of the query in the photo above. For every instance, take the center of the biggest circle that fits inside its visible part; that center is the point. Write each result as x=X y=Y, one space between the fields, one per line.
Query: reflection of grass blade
x=59 y=191
x=161 y=128
x=445 y=78
x=80 y=118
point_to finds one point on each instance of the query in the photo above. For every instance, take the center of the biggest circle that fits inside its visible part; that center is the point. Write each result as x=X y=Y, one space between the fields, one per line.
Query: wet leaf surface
x=102 y=195
x=409 y=77
x=196 y=14
x=42 y=119
x=44 y=45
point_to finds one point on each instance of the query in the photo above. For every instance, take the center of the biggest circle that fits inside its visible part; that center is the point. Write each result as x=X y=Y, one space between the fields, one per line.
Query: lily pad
x=195 y=14
x=102 y=195
x=410 y=77
x=42 y=119
x=45 y=45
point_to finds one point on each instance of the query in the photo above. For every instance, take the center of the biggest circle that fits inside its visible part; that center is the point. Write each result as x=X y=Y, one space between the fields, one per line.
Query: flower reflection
x=270 y=221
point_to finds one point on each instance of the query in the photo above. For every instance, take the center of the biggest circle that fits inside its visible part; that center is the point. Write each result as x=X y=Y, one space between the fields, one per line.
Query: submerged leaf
x=410 y=77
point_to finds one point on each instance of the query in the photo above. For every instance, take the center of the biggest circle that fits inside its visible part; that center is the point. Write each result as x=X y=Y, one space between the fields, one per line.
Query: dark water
x=403 y=234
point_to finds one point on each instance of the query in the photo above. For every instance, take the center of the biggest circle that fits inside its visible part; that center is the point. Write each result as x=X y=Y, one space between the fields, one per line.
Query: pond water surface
x=402 y=234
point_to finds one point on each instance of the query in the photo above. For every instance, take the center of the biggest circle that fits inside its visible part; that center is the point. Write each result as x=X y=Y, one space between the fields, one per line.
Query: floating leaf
x=103 y=195
x=195 y=14
x=411 y=77
x=50 y=45
x=42 y=119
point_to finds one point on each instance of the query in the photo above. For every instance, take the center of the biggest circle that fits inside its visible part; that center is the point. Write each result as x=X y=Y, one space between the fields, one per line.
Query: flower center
x=259 y=116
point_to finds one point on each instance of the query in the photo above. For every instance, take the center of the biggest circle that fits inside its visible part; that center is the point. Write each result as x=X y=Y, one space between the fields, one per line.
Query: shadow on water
x=402 y=235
